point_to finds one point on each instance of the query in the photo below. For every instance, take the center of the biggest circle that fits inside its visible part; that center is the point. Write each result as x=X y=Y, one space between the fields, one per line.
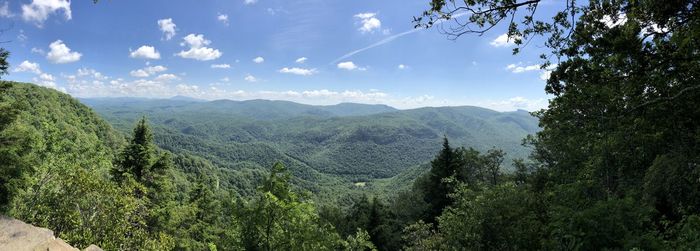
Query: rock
x=19 y=236
x=93 y=248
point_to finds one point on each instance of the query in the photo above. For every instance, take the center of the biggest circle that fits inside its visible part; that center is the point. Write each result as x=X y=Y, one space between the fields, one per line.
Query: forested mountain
x=349 y=140
x=65 y=169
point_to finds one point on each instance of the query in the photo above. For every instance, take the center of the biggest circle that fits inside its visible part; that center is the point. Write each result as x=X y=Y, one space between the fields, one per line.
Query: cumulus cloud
x=247 y=2
x=298 y=71
x=27 y=66
x=350 y=66
x=223 y=19
x=369 y=22
x=250 y=78
x=145 y=52
x=402 y=66
x=167 y=27
x=91 y=72
x=220 y=66
x=166 y=77
x=503 y=41
x=301 y=60
x=520 y=69
x=148 y=71
x=39 y=10
x=59 y=53
x=198 y=49
x=258 y=60
x=45 y=79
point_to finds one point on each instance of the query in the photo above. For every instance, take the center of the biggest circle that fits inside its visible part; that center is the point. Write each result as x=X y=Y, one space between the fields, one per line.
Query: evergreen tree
x=137 y=158
x=437 y=187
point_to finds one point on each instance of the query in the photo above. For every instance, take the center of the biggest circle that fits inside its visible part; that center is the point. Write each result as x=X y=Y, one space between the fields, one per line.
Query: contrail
x=389 y=39
x=381 y=42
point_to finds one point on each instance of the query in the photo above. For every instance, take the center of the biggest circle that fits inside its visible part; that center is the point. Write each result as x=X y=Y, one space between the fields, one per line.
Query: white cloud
x=223 y=19
x=301 y=60
x=59 y=53
x=350 y=66
x=250 y=78
x=201 y=54
x=220 y=66
x=148 y=71
x=258 y=60
x=402 y=67
x=5 y=10
x=503 y=41
x=369 y=22
x=520 y=69
x=146 y=52
x=91 y=72
x=140 y=73
x=38 y=51
x=39 y=10
x=250 y=1
x=27 y=66
x=45 y=79
x=166 y=77
x=195 y=41
x=225 y=79
x=298 y=71
x=197 y=50
x=167 y=27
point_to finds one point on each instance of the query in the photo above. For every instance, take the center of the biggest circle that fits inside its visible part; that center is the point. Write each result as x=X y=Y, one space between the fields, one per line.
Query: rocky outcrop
x=19 y=236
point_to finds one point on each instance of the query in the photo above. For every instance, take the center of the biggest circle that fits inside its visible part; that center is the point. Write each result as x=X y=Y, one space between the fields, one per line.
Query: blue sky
x=271 y=49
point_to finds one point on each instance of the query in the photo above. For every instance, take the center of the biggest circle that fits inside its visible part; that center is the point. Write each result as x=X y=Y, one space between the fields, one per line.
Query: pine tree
x=137 y=157
x=437 y=189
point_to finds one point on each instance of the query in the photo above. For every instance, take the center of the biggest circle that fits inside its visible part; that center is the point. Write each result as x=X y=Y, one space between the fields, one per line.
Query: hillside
x=353 y=141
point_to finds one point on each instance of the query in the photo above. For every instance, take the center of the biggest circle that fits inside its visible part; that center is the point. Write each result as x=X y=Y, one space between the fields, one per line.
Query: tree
x=620 y=134
x=4 y=65
x=277 y=219
x=13 y=147
x=437 y=186
x=359 y=242
x=492 y=163
x=137 y=158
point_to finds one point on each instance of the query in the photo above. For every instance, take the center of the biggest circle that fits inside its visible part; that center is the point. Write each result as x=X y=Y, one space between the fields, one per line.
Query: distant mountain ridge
x=355 y=141
x=255 y=108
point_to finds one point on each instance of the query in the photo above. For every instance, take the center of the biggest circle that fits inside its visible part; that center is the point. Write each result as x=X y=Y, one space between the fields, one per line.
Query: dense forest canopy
x=614 y=165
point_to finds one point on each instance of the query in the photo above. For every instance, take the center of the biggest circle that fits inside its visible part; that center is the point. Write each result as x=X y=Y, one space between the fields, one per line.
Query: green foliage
x=359 y=242
x=502 y=217
x=278 y=219
x=13 y=167
x=615 y=165
x=4 y=65
x=137 y=158
x=437 y=187
x=318 y=147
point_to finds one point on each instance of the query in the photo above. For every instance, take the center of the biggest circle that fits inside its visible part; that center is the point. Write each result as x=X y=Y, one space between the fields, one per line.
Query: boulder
x=19 y=236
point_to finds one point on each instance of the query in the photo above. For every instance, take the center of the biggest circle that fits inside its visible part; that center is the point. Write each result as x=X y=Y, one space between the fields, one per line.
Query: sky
x=309 y=51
